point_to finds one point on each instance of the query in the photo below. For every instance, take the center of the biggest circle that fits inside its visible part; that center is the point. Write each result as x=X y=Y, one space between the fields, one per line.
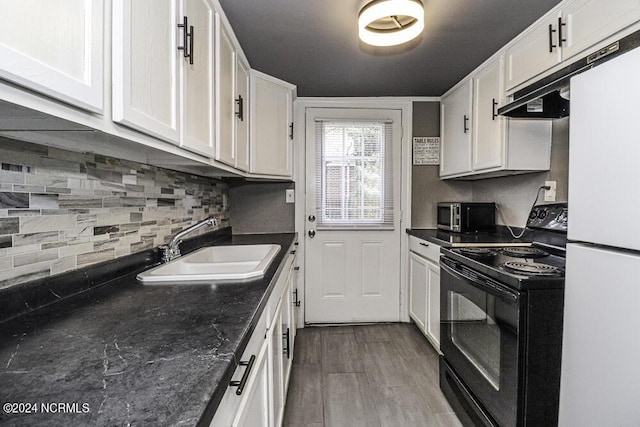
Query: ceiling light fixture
x=390 y=22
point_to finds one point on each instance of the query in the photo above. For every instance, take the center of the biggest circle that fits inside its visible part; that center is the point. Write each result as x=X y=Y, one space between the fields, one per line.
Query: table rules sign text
x=426 y=150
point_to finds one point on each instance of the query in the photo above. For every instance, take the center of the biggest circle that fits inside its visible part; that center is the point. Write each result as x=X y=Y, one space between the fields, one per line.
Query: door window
x=354 y=179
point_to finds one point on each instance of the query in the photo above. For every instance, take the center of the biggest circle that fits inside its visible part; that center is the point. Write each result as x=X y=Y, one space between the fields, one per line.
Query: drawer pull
x=243 y=381
x=286 y=337
x=296 y=301
x=426 y=245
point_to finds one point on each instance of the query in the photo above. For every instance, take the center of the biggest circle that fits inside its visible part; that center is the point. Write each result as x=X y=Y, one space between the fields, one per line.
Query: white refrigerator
x=600 y=379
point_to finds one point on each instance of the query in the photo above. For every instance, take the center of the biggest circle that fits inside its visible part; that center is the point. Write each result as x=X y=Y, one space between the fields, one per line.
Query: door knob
x=312 y=218
x=312 y=233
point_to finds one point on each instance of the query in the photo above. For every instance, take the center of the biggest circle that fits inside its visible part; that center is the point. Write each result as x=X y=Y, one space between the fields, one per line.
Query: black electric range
x=501 y=326
x=539 y=264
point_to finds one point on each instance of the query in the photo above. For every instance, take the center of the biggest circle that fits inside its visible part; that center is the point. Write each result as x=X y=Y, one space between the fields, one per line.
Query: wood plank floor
x=370 y=375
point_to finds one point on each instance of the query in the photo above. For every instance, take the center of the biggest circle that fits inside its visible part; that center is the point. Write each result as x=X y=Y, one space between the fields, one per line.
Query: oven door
x=480 y=325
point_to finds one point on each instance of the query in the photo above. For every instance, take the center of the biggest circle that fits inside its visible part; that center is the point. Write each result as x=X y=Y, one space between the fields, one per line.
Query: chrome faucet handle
x=166 y=253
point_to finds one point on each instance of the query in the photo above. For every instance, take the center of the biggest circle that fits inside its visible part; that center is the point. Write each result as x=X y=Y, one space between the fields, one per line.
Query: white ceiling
x=314 y=44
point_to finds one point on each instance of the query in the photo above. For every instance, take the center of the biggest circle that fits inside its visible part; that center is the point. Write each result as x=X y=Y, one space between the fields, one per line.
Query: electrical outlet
x=290 y=195
x=550 y=195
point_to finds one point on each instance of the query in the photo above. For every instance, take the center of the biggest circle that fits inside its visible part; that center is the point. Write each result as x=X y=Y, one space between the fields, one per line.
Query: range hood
x=548 y=98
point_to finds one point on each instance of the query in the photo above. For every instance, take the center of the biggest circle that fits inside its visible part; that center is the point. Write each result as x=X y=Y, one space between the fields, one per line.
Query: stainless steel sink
x=214 y=263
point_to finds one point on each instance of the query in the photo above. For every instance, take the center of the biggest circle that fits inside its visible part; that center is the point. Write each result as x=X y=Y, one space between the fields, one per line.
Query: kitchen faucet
x=172 y=250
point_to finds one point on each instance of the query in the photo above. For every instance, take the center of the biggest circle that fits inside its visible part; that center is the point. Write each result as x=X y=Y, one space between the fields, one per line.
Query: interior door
x=352 y=254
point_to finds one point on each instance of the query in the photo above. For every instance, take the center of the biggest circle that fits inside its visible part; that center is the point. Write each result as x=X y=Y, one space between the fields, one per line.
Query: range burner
x=532 y=269
x=524 y=252
x=478 y=252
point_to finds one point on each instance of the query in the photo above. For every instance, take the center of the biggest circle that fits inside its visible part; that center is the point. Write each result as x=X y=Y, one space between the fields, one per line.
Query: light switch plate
x=290 y=195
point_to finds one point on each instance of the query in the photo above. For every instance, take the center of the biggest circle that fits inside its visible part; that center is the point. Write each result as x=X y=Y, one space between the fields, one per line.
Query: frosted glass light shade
x=390 y=10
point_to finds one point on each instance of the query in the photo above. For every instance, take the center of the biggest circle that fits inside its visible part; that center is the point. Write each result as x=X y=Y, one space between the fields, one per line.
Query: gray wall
x=427 y=189
x=513 y=194
x=62 y=210
x=260 y=208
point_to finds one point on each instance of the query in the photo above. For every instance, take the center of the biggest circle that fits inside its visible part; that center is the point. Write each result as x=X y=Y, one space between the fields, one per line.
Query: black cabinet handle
x=466 y=120
x=287 y=349
x=185 y=36
x=560 y=38
x=424 y=244
x=293 y=252
x=296 y=301
x=240 y=104
x=243 y=381
x=494 y=112
x=551 y=45
x=291 y=132
x=187 y=39
x=191 y=35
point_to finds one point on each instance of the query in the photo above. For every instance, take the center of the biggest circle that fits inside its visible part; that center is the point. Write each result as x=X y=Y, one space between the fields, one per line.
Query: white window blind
x=354 y=176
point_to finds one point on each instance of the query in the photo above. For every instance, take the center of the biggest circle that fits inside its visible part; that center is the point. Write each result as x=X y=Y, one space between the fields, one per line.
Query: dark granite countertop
x=448 y=239
x=133 y=354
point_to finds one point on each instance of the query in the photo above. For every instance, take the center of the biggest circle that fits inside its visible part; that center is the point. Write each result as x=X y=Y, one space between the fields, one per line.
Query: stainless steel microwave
x=466 y=217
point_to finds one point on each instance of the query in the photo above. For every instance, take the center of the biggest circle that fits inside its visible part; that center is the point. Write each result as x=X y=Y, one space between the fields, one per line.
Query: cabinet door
x=197 y=115
x=225 y=95
x=488 y=127
x=242 y=114
x=146 y=87
x=287 y=334
x=590 y=21
x=271 y=106
x=254 y=408
x=533 y=53
x=276 y=349
x=455 y=153
x=55 y=48
x=433 y=303
x=418 y=290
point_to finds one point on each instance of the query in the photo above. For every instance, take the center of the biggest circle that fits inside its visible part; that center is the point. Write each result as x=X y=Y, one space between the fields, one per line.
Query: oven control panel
x=553 y=217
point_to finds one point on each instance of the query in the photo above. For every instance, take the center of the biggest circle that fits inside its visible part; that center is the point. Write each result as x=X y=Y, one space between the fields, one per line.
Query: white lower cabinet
x=424 y=288
x=258 y=391
x=254 y=409
x=276 y=371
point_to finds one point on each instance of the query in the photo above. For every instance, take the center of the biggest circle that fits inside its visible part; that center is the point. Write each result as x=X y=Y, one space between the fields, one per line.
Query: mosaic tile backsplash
x=61 y=210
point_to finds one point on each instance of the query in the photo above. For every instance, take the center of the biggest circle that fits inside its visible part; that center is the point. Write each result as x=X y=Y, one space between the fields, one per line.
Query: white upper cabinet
x=226 y=69
x=564 y=33
x=455 y=152
x=534 y=52
x=163 y=73
x=198 y=74
x=55 y=48
x=146 y=88
x=590 y=21
x=488 y=127
x=232 y=101
x=477 y=143
x=242 y=114
x=271 y=122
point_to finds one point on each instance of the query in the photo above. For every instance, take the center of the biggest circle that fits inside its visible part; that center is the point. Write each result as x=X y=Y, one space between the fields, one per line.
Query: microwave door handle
x=481 y=284
x=451 y=216
x=468 y=218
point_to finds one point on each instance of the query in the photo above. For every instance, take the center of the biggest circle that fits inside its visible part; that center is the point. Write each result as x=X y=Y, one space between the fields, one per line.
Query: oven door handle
x=485 y=285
